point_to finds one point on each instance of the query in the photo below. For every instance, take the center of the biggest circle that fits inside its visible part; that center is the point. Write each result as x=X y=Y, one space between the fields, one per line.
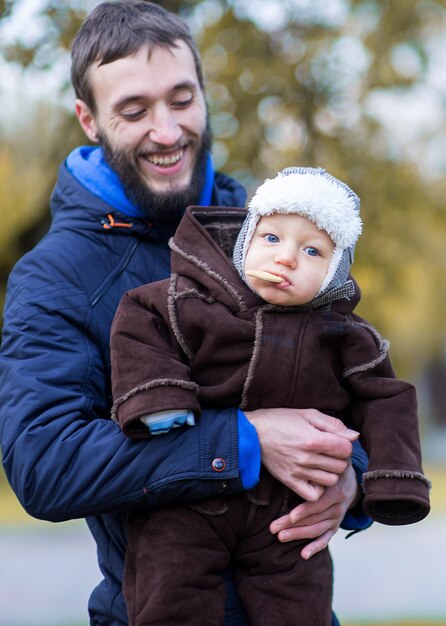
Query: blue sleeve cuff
x=248 y=452
x=356 y=519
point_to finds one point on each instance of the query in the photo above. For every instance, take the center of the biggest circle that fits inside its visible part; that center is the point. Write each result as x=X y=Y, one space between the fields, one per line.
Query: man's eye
x=312 y=251
x=182 y=103
x=133 y=114
x=270 y=238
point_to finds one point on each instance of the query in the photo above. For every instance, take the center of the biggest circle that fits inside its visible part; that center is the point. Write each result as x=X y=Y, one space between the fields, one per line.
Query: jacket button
x=218 y=465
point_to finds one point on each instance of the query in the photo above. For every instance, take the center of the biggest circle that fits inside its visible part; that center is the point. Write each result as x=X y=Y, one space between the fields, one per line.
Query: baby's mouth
x=263 y=275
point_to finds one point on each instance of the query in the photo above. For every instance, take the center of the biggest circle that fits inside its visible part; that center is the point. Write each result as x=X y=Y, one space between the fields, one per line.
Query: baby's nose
x=286 y=259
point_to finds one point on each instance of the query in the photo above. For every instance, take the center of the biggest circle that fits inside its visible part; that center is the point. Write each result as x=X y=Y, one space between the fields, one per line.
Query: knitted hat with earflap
x=323 y=199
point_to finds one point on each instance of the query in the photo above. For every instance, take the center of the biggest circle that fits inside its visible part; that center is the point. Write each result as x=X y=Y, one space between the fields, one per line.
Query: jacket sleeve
x=63 y=455
x=384 y=411
x=149 y=374
x=357 y=519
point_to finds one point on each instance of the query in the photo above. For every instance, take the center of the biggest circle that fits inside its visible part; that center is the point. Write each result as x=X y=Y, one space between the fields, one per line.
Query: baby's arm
x=149 y=372
x=161 y=422
x=384 y=411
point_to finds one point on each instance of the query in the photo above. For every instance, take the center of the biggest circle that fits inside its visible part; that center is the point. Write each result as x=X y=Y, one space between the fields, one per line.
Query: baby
x=273 y=326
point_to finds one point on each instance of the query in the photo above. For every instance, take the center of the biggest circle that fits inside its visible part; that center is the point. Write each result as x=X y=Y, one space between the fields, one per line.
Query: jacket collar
x=77 y=207
x=88 y=165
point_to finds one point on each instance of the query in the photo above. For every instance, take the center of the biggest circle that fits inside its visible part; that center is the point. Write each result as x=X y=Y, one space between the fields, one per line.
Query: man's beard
x=166 y=208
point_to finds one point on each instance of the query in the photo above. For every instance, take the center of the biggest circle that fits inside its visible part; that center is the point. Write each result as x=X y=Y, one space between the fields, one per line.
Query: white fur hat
x=313 y=193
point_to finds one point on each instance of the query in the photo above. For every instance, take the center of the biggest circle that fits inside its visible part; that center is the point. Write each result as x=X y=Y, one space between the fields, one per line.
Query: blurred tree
x=294 y=82
x=5 y=8
x=28 y=169
x=58 y=23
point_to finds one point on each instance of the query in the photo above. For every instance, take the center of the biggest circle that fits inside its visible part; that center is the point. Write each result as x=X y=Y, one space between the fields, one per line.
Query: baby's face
x=293 y=248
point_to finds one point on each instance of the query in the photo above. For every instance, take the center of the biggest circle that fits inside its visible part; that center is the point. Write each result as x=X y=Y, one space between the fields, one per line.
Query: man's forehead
x=160 y=69
x=153 y=55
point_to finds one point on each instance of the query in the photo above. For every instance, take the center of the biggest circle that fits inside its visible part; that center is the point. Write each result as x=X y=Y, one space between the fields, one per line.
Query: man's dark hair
x=115 y=30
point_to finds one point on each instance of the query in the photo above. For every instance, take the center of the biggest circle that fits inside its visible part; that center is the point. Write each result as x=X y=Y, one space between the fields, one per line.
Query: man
x=140 y=96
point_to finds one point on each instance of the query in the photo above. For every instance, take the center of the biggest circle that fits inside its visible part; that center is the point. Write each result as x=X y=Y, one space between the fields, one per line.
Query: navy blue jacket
x=62 y=454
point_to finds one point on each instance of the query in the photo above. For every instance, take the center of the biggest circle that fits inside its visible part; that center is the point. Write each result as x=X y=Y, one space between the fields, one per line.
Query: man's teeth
x=165 y=160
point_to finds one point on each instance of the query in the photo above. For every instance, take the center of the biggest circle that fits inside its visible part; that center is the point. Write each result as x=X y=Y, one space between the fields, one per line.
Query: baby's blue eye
x=271 y=238
x=311 y=251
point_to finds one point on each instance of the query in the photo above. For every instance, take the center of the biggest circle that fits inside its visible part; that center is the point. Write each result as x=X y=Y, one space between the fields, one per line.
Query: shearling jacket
x=212 y=342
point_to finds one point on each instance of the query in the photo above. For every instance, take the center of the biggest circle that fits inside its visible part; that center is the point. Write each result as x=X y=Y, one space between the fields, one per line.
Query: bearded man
x=140 y=96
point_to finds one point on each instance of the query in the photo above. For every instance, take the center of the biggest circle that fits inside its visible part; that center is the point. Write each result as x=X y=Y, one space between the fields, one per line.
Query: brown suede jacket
x=203 y=339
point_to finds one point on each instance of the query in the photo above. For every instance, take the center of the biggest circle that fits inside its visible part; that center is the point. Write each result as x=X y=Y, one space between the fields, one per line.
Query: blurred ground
x=386 y=576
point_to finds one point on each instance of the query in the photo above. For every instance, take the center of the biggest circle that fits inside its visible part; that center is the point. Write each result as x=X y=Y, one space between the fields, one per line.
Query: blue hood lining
x=88 y=165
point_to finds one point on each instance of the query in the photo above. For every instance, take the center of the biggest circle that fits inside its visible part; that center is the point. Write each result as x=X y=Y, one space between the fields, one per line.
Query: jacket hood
x=79 y=209
x=202 y=250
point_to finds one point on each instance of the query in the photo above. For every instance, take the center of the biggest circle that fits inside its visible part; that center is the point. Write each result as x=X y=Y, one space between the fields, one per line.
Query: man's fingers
x=308 y=513
x=323 y=470
x=351 y=435
x=297 y=533
x=330 y=444
x=329 y=424
x=306 y=489
x=305 y=516
x=319 y=531
x=313 y=481
x=317 y=546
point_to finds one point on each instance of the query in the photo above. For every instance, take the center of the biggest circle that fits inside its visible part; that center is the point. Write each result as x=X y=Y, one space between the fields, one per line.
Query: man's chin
x=161 y=198
x=165 y=208
x=164 y=186
x=163 y=192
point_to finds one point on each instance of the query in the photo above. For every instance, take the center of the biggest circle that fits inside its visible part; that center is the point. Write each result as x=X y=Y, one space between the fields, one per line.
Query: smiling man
x=149 y=115
x=140 y=96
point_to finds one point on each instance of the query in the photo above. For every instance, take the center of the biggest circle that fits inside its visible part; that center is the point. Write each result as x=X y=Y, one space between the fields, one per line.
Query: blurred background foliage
x=349 y=85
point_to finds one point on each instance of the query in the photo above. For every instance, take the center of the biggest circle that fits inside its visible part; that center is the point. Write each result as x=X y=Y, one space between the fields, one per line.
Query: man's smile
x=164 y=160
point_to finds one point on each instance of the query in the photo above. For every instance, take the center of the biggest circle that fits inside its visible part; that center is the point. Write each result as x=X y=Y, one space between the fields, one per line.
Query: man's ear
x=86 y=120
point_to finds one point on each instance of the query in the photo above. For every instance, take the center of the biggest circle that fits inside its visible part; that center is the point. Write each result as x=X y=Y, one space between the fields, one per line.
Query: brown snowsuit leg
x=176 y=556
x=276 y=586
x=173 y=569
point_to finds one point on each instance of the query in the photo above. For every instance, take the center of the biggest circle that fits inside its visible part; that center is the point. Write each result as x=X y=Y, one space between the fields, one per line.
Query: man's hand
x=319 y=520
x=304 y=449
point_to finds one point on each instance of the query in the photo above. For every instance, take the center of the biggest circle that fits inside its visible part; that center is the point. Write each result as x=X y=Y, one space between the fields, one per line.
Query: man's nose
x=164 y=127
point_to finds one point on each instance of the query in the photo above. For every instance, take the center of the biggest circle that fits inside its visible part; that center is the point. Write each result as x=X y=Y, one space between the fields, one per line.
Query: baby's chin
x=281 y=297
